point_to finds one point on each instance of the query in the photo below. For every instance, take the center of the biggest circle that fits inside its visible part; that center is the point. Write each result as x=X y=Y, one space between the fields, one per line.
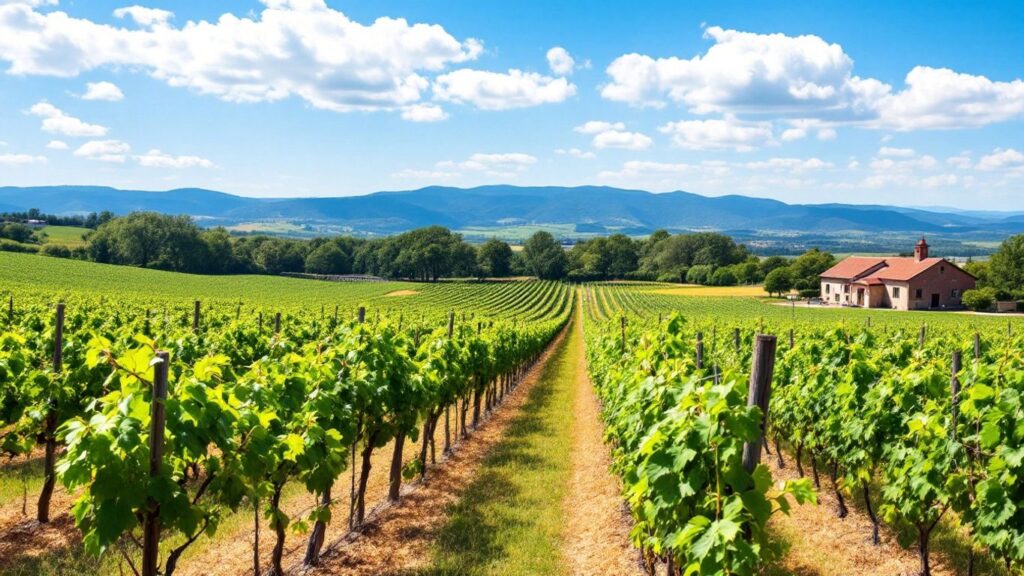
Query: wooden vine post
x=736 y=339
x=151 y=521
x=50 y=425
x=700 y=350
x=623 y=323
x=277 y=323
x=447 y=409
x=977 y=346
x=920 y=339
x=954 y=390
x=361 y=314
x=10 y=311
x=195 y=317
x=761 y=369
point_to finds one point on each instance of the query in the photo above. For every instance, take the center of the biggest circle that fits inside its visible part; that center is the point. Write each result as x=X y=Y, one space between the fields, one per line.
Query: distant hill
x=586 y=209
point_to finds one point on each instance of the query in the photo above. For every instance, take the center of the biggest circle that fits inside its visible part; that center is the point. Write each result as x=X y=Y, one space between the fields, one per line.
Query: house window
x=955 y=293
x=846 y=288
x=837 y=297
x=942 y=269
x=917 y=294
x=828 y=288
x=895 y=291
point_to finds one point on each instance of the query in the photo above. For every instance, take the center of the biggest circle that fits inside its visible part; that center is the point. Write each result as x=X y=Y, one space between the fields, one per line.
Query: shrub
x=979 y=298
x=55 y=250
x=11 y=246
x=700 y=274
x=810 y=293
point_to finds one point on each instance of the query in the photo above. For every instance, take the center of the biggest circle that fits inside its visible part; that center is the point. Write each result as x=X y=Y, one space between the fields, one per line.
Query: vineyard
x=162 y=423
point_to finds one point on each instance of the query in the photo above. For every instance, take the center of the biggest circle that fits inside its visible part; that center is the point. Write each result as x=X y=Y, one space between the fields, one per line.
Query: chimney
x=921 y=250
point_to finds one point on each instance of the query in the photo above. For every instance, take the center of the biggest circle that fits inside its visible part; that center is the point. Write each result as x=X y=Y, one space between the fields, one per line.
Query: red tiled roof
x=874 y=270
x=852 y=267
x=903 y=269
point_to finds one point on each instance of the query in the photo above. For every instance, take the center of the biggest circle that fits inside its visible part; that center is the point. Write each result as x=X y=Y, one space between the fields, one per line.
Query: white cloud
x=741 y=71
x=424 y=113
x=145 y=17
x=724 y=134
x=790 y=134
x=20 y=159
x=501 y=165
x=940 y=181
x=293 y=48
x=749 y=73
x=827 y=134
x=598 y=126
x=501 y=91
x=102 y=91
x=1001 y=158
x=639 y=169
x=104 y=150
x=924 y=162
x=942 y=98
x=57 y=145
x=794 y=165
x=57 y=122
x=560 y=61
x=619 y=139
x=157 y=159
x=575 y=153
x=896 y=152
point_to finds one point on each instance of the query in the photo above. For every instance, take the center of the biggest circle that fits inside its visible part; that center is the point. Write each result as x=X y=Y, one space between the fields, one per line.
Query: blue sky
x=903 y=103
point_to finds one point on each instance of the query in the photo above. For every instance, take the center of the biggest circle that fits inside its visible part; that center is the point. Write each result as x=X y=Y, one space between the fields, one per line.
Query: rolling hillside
x=592 y=209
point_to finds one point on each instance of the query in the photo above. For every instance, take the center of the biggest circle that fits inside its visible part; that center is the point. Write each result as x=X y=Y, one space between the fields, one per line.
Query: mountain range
x=583 y=210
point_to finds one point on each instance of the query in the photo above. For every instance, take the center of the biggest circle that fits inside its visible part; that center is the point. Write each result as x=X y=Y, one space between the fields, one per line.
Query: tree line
x=176 y=243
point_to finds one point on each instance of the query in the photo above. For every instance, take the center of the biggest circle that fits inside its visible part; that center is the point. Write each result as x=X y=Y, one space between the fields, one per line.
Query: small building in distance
x=900 y=283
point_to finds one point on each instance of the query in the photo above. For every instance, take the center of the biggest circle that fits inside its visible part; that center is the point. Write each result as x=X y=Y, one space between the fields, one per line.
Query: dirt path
x=817 y=543
x=597 y=522
x=399 y=539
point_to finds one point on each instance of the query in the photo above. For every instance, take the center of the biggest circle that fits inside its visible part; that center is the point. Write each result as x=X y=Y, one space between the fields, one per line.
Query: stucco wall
x=941 y=279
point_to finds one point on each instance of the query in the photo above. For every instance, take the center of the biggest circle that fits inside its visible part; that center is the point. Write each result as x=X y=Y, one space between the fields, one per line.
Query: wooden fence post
x=700 y=350
x=622 y=321
x=954 y=390
x=195 y=317
x=50 y=425
x=151 y=521
x=761 y=370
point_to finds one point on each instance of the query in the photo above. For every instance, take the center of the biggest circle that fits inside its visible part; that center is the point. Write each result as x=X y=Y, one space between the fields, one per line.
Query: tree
x=778 y=281
x=699 y=274
x=494 y=258
x=1006 y=266
x=328 y=259
x=979 y=299
x=16 y=232
x=545 y=257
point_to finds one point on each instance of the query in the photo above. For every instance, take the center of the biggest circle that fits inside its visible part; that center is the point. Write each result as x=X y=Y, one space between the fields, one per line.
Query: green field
x=70 y=236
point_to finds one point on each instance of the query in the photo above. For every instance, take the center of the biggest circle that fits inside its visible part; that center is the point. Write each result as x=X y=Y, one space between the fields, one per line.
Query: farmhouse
x=917 y=283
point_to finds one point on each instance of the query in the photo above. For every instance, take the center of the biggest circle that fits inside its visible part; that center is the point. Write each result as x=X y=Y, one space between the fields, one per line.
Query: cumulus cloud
x=896 y=152
x=293 y=48
x=411 y=174
x=724 y=134
x=501 y=91
x=620 y=139
x=104 y=151
x=1000 y=159
x=107 y=91
x=499 y=165
x=57 y=122
x=424 y=113
x=598 y=126
x=749 y=73
x=145 y=17
x=794 y=165
x=157 y=159
x=560 y=61
x=20 y=159
x=57 y=145
x=575 y=153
